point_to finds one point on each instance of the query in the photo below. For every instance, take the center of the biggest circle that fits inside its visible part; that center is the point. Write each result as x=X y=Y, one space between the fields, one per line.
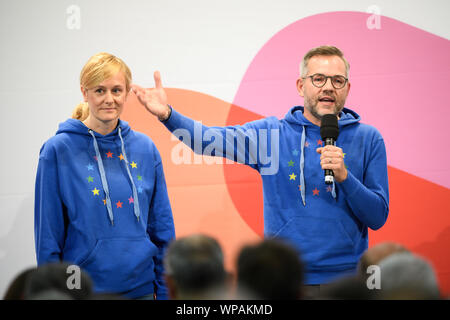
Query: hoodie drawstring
x=103 y=178
x=302 y=166
x=137 y=211
x=333 y=191
x=105 y=182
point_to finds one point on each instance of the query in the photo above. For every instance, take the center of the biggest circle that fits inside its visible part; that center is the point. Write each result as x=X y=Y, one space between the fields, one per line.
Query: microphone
x=329 y=131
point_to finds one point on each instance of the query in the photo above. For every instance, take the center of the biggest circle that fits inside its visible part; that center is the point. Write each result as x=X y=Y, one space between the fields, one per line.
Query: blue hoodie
x=328 y=224
x=101 y=203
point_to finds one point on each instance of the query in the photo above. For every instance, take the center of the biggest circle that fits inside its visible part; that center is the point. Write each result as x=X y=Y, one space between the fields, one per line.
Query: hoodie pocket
x=323 y=242
x=121 y=264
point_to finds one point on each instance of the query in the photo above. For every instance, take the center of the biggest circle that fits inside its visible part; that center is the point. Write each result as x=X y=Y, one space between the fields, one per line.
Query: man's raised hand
x=154 y=99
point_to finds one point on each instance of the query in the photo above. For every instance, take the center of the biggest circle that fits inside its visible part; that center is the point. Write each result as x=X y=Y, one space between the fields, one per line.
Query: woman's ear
x=84 y=92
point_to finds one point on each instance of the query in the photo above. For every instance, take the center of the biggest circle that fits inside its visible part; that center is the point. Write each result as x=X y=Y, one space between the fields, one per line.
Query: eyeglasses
x=319 y=80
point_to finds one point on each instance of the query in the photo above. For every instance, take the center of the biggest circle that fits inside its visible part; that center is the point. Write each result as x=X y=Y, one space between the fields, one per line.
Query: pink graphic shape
x=399 y=76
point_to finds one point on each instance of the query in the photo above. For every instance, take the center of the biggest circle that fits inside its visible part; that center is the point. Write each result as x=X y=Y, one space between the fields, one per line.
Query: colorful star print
x=292 y=176
x=329 y=189
x=306 y=144
x=96 y=192
x=295 y=152
x=290 y=163
x=315 y=192
x=320 y=143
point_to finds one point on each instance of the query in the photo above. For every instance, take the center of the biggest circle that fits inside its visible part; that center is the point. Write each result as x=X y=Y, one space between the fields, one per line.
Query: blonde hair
x=322 y=51
x=99 y=67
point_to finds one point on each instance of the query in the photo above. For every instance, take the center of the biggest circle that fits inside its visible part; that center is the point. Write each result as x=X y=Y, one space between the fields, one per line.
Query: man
x=195 y=270
x=376 y=254
x=406 y=276
x=328 y=224
x=269 y=270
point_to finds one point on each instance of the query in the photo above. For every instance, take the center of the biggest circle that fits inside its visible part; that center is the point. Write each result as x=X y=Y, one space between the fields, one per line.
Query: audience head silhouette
x=407 y=276
x=194 y=267
x=270 y=269
x=52 y=281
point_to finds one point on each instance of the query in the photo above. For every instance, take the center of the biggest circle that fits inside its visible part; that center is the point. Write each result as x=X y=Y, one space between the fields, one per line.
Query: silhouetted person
x=108 y=296
x=405 y=276
x=348 y=288
x=16 y=289
x=52 y=294
x=270 y=269
x=195 y=269
x=375 y=254
x=53 y=278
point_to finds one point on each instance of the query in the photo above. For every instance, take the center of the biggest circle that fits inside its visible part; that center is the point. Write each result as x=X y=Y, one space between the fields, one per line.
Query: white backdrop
x=200 y=45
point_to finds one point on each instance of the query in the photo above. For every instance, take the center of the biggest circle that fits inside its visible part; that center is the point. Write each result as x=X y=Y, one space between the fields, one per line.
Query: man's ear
x=300 y=84
x=84 y=92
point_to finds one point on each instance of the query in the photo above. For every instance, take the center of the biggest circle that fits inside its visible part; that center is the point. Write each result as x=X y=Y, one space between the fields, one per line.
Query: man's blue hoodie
x=101 y=202
x=328 y=224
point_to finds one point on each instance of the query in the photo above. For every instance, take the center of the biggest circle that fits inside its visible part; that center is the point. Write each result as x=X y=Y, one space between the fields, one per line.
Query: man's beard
x=311 y=105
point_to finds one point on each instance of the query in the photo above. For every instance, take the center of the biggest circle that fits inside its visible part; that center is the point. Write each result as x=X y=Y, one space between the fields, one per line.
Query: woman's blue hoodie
x=326 y=223
x=101 y=203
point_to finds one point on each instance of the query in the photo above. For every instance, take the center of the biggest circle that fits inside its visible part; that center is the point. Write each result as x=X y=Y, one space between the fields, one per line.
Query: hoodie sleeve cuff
x=177 y=120
x=170 y=114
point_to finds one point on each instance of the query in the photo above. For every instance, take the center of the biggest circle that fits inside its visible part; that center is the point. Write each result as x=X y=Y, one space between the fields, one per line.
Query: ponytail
x=81 y=111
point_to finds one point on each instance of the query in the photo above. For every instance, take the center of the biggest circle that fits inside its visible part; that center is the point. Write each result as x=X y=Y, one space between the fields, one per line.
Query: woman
x=101 y=198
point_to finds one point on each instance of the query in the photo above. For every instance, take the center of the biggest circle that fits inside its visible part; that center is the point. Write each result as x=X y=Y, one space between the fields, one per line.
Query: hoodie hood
x=295 y=117
x=74 y=126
